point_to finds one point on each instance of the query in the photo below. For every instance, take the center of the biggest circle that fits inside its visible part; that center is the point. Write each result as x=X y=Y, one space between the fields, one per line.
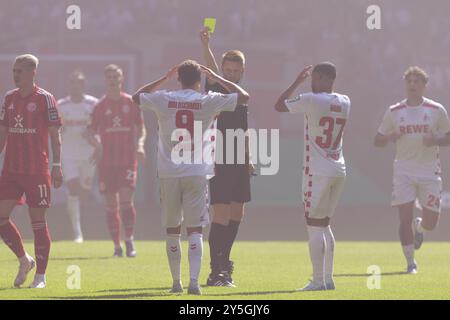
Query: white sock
x=317 y=249
x=195 y=256
x=39 y=277
x=408 y=251
x=329 y=254
x=73 y=208
x=173 y=248
x=25 y=258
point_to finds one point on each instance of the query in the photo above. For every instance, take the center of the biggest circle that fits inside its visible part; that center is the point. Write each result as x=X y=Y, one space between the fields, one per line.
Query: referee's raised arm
x=210 y=60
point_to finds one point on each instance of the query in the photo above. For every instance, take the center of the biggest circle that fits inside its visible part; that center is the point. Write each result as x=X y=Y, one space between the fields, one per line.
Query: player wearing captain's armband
x=418 y=126
x=29 y=116
x=326 y=113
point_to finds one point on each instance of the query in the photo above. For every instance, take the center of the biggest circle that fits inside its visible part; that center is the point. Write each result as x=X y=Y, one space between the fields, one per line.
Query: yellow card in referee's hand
x=210 y=23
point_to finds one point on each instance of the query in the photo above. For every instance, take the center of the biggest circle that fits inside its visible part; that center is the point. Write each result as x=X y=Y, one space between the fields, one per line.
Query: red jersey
x=115 y=121
x=27 y=120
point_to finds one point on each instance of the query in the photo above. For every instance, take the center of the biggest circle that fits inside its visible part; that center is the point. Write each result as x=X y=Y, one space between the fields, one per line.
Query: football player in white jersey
x=326 y=113
x=418 y=126
x=184 y=116
x=78 y=171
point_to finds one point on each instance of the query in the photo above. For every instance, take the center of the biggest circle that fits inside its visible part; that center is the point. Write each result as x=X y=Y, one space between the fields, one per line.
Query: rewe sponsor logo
x=417 y=128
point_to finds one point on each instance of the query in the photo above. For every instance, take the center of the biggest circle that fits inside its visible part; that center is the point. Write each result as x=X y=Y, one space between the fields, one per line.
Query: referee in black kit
x=230 y=187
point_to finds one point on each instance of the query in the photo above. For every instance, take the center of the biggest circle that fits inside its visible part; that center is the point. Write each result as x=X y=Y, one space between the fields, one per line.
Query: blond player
x=78 y=171
x=183 y=184
x=326 y=113
x=418 y=126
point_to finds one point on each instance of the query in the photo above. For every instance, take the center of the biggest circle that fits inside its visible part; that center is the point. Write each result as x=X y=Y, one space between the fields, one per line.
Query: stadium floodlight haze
x=206 y=150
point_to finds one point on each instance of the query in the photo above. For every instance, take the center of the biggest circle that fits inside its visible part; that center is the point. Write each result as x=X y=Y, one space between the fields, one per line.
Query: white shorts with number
x=321 y=195
x=79 y=169
x=426 y=190
x=185 y=200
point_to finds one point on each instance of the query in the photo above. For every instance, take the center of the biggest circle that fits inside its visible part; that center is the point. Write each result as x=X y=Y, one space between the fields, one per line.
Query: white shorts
x=426 y=190
x=79 y=169
x=321 y=195
x=185 y=200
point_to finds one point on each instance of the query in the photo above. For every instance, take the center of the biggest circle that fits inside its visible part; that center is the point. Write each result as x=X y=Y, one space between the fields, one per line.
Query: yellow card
x=210 y=23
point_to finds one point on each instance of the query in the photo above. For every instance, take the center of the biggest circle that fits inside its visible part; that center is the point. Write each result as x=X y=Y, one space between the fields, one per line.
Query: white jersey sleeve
x=152 y=101
x=220 y=102
x=443 y=124
x=300 y=103
x=387 y=125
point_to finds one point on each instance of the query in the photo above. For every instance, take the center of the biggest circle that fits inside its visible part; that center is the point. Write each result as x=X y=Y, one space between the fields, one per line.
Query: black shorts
x=230 y=184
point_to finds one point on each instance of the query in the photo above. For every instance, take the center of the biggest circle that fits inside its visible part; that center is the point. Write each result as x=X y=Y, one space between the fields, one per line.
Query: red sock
x=42 y=243
x=129 y=220
x=113 y=220
x=12 y=238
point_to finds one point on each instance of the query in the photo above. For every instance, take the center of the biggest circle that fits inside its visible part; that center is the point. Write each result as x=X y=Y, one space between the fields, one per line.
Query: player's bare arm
x=243 y=95
x=210 y=60
x=141 y=136
x=94 y=141
x=280 y=106
x=431 y=139
x=55 y=140
x=151 y=87
x=3 y=136
x=382 y=140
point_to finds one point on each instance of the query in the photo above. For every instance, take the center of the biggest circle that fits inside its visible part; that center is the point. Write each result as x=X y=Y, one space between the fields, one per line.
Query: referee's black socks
x=217 y=240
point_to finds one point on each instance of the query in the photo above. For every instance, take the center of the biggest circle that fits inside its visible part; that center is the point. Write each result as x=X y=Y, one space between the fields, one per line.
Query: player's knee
x=126 y=205
x=194 y=230
x=430 y=223
x=112 y=208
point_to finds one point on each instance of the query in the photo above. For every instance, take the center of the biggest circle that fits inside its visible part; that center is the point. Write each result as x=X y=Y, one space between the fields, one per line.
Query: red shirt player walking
x=119 y=124
x=28 y=116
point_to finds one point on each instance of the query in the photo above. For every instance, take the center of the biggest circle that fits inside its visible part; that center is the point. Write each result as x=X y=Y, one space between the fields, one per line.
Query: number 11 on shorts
x=43 y=190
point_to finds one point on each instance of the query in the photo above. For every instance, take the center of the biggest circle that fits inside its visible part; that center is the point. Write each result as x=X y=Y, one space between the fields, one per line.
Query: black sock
x=217 y=236
x=231 y=233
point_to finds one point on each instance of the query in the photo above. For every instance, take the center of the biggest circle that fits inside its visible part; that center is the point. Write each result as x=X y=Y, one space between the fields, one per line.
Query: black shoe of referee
x=218 y=280
x=228 y=270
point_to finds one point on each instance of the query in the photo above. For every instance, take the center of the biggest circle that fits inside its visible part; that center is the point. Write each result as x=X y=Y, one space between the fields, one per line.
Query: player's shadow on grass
x=257 y=293
x=135 y=289
x=80 y=258
x=365 y=275
x=164 y=292
x=114 y=296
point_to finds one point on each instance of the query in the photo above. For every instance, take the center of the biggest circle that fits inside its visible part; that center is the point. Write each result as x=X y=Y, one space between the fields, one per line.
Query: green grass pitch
x=264 y=270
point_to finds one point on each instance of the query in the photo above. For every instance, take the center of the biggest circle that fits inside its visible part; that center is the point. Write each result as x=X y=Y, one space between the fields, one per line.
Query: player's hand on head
x=211 y=75
x=172 y=72
x=305 y=73
x=57 y=177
